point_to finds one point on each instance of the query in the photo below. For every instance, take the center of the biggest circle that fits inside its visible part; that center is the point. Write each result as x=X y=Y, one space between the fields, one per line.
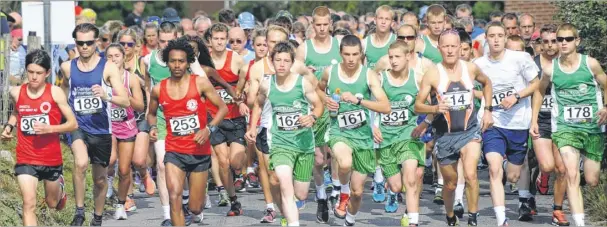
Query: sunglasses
x=105 y=39
x=568 y=39
x=127 y=44
x=88 y=43
x=232 y=41
x=408 y=37
x=546 y=41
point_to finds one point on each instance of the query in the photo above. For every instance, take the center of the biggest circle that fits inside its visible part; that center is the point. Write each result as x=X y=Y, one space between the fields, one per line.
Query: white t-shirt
x=509 y=75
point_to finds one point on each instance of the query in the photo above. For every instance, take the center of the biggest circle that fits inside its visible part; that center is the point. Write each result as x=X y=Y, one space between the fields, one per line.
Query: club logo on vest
x=45 y=107
x=583 y=88
x=408 y=99
x=192 y=105
x=297 y=104
x=333 y=61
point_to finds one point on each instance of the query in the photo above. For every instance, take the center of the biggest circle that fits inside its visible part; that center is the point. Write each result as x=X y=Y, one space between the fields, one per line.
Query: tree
x=113 y=10
x=590 y=17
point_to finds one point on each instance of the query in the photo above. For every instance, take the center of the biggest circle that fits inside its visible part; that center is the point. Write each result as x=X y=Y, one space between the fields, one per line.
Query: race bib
x=578 y=113
x=501 y=94
x=88 y=105
x=288 y=121
x=352 y=119
x=547 y=104
x=186 y=125
x=397 y=117
x=27 y=123
x=225 y=96
x=118 y=114
x=458 y=100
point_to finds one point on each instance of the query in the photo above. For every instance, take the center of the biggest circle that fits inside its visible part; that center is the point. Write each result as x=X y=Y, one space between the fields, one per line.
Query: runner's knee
x=547 y=167
x=51 y=202
x=124 y=171
x=81 y=166
x=471 y=177
x=513 y=176
x=100 y=181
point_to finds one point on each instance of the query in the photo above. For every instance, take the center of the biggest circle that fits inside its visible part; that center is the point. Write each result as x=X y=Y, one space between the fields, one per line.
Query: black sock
x=121 y=202
x=555 y=207
x=220 y=188
x=97 y=217
x=470 y=215
x=233 y=199
x=80 y=211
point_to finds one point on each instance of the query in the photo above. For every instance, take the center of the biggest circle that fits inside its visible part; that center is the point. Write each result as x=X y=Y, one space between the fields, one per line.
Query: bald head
x=237 y=39
x=17 y=18
x=187 y=24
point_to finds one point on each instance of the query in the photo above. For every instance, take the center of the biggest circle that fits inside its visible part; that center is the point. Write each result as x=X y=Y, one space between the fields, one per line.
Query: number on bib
x=27 y=123
x=397 y=117
x=288 y=121
x=547 y=104
x=352 y=119
x=88 y=105
x=183 y=126
x=118 y=114
x=578 y=114
x=458 y=100
x=500 y=95
x=225 y=96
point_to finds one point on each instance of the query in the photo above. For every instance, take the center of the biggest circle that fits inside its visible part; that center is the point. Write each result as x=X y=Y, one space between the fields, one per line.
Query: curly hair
x=179 y=44
x=204 y=57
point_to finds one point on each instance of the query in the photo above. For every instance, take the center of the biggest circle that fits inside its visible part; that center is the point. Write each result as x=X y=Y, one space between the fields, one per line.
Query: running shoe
x=322 y=211
x=120 y=213
x=235 y=209
x=559 y=218
x=239 y=184
x=198 y=218
x=404 y=221
x=63 y=200
x=327 y=178
x=166 y=222
x=333 y=202
x=268 y=216
x=452 y=221
x=148 y=183
x=95 y=222
x=301 y=204
x=207 y=202
x=532 y=205
x=438 y=195
x=472 y=219
x=340 y=210
x=110 y=188
x=187 y=214
x=391 y=203
x=224 y=200
x=253 y=180
x=379 y=192
x=458 y=209
x=346 y=223
x=78 y=220
x=129 y=204
x=542 y=183
x=524 y=211
x=283 y=221
x=505 y=223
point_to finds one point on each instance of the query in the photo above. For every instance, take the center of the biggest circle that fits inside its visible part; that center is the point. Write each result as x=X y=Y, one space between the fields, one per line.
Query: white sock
x=250 y=170
x=459 y=193
x=270 y=206
x=579 y=219
x=185 y=196
x=500 y=214
x=345 y=188
x=321 y=192
x=293 y=224
x=336 y=183
x=524 y=194
x=440 y=181
x=167 y=212
x=351 y=218
x=379 y=176
x=413 y=218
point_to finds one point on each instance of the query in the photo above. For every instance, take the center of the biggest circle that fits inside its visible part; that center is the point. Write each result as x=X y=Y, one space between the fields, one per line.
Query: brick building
x=543 y=11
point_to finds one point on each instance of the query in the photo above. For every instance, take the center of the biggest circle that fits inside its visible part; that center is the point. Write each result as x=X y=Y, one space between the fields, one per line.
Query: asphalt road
x=149 y=212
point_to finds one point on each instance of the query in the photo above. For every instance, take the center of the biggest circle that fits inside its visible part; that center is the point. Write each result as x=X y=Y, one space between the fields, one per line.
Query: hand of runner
x=508 y=102
x=244 y=109
x=443 y=106
x=99 y=92
x=202 y=135
x=42 y=128
x=487 y=121
x=307 y=121
x=348 y=97
x=419 y=130
x=602 y=116
x=312 y=69
x=534 y=131
x=153 y=135
x=332 y=105
x=377 y=135
x=251 y=135
x=6 y=134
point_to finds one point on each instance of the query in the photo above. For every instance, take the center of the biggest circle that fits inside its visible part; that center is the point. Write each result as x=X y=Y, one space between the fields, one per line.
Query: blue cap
x=170 y=15
x=246 y=20
x=153 y=20
x=422 y=11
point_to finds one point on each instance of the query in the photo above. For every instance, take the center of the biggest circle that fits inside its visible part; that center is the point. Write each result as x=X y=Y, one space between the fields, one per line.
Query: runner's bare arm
x=11 y=124
x=313 y=98
x=136 y=99
x=112 y=75
x=322 y=85
x=599 y=75
x=143 y=63
x=237 y=63
x=65 y=69
x=213 y=76
x=381 y=103
x=254 y=79
x=208 y=91
x=259 y=101
x=153 y=106
x=242 y=80
x=429 y=81
x=300 y=55
x=70 y=123
x=483 y=80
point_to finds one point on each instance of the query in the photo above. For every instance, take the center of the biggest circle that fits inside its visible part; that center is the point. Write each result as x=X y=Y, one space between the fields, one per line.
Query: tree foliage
x=590 y=17
x=118 y=10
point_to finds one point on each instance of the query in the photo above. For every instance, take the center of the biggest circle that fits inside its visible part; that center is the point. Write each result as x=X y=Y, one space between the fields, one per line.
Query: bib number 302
x=182 y=126
x=27 y=123
x=351 y=119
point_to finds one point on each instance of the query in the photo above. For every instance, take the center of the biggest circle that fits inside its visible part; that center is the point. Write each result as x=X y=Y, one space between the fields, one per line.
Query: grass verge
x=595 y=201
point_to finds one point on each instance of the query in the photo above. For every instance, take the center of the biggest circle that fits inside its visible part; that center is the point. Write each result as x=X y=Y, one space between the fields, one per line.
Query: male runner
x=401 y=153
x=36 y=116
x=291 y=98
x=188 y=148
x=319 y=53
x=88 y=79
x=457 y=130
x=228 y=142
x=376 y=45
x=514 y=78
x=546 y=152
x=575 y=80
x=350 y=128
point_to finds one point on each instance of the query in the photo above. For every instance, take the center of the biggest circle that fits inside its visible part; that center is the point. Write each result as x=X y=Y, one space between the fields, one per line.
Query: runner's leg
x=28 y=185
x=81 y=160
x=100 y=188
x=175 y=177
x=284 y=173
x=571 y=159
x=163 y=192
x=125 y=151
x=198 y=183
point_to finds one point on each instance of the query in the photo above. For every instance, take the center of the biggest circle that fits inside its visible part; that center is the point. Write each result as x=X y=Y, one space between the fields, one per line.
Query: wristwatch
x=359 y=101
x=428 y=121
x=489 y=108
x=517 y=96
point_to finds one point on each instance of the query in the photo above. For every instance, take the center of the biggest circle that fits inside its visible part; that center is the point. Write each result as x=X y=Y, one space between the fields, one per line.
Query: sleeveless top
x=400 y=122
x=373 y=53
x=319 y=60
x=462 y=115
x=430 y=51
x=548 y=102
x=231 y=78
x=92 y=113
x=123 y=119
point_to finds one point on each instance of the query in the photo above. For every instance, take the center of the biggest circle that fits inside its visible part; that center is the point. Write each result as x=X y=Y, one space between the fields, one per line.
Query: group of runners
x=333 y=108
